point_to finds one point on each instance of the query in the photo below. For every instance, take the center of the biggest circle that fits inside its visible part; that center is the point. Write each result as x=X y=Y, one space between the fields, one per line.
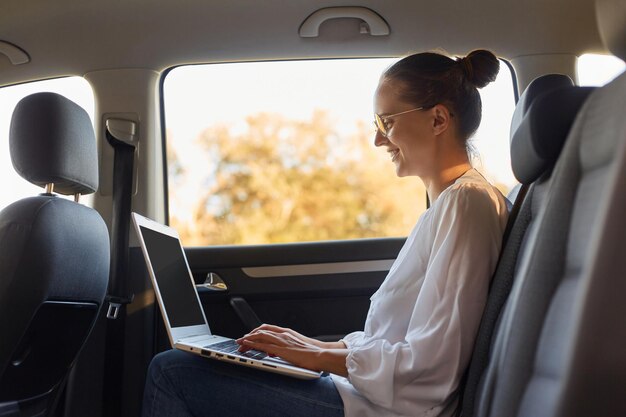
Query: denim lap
x=181 y=384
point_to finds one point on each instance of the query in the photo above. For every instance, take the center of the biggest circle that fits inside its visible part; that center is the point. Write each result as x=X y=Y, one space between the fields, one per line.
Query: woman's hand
x=298 y=336
x=298 y=349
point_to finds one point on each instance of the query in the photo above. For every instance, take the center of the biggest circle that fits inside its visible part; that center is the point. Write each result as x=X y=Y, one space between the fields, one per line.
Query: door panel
x=321 y=289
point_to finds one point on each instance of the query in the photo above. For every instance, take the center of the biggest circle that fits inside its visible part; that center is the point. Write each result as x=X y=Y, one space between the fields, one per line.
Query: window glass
x=597 y=70
x=75 y=88
x=491 y=144
x=283 y=152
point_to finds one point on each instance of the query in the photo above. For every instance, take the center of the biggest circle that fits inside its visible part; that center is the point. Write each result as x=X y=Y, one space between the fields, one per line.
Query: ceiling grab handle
x=372 y=22
x=16 y=55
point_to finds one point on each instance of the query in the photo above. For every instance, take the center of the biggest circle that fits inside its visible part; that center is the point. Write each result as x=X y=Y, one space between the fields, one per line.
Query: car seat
x=54 y=254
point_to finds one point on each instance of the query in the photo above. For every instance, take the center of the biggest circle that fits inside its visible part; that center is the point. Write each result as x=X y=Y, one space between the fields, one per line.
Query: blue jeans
x=181 y=384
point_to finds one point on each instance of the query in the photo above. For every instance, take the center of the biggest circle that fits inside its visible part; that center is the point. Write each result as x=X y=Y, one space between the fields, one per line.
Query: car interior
x=113 y=108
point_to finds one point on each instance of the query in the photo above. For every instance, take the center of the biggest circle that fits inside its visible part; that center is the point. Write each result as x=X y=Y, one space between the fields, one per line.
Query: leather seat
x=54 y=254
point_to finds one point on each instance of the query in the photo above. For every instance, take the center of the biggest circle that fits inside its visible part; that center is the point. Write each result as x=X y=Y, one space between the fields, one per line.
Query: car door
x=321 y=289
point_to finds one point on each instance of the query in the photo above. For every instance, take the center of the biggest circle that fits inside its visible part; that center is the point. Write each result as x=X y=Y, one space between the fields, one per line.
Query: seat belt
x=517 y=204
x=121 y=136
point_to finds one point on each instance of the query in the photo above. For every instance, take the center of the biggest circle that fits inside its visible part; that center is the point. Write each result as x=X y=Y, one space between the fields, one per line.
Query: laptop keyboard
x=232 y=347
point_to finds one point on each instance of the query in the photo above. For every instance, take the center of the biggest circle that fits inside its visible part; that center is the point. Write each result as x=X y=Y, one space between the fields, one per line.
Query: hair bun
x=480 y=67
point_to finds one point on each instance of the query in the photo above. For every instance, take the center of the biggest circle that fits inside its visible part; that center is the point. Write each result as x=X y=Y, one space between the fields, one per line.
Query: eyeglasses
x=381 y=121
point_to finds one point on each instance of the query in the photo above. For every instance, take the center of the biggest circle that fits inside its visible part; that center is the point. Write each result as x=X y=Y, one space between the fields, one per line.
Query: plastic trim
x=318 y=269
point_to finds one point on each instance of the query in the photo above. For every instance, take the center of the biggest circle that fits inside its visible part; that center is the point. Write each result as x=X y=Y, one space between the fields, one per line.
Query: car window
x=275 y=152
x=596 y=70
x=76 y=89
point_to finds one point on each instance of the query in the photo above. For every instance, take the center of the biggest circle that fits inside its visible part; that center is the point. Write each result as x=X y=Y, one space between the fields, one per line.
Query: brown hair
x=430 y=78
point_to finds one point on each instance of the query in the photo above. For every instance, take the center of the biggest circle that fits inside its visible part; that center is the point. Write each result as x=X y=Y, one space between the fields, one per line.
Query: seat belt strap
x=517 y=204
x=124 y=148
x=119 y=294
x=120 y=135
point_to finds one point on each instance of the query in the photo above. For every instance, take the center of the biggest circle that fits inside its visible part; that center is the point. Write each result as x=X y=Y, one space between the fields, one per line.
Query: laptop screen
x=172 y=276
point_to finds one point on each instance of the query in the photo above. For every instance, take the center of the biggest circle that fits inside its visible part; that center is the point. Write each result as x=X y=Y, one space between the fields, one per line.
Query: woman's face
x=410 y=139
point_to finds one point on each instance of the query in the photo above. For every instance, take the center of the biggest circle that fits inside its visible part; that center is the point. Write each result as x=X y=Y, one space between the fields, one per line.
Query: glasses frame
x=379 y=121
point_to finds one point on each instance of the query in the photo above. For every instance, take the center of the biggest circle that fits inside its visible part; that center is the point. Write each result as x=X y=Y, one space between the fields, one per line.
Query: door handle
x=213 y=282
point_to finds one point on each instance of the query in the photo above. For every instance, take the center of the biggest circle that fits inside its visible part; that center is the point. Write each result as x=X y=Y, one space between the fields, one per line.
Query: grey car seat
x=537 y=137
x=54 y=254
x=559 y=350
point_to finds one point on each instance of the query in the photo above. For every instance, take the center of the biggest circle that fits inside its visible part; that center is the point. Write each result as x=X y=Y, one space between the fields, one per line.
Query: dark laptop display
x=168 y=262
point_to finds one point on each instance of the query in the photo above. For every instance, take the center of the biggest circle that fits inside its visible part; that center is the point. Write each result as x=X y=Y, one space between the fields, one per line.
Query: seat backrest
x=536 y=142
x=549 y=360
x=595 y=367
x=54 y=252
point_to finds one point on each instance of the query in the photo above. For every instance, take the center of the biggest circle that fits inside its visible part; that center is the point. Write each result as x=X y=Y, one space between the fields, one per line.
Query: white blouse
x=422 y=321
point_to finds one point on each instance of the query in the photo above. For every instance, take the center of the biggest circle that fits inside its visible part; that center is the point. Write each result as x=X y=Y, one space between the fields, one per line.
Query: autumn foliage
x=279 y=180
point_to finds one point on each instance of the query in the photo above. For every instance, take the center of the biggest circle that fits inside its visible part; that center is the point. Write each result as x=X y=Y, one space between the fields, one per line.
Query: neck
x=444 y=178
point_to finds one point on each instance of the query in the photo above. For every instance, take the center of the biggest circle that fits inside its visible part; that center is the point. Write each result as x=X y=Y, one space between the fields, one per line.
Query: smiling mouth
x=394 y=155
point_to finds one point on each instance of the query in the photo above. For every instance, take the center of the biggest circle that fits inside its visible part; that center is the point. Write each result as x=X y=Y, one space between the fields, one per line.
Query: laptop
x=180 y=305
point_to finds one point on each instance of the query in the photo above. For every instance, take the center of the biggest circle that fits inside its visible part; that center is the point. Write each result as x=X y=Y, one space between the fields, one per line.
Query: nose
x=379 y=138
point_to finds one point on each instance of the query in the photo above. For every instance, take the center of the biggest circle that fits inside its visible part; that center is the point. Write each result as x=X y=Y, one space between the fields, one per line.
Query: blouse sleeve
x=352 y=339
x=428 y=364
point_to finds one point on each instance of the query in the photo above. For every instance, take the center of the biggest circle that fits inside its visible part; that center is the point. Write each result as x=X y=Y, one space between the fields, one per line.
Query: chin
x=402 y=170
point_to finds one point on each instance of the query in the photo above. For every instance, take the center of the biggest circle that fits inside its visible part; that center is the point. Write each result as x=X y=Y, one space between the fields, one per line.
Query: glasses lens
x=380 y=125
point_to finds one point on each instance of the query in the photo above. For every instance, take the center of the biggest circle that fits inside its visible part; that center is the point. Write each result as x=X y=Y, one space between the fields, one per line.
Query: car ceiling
x=75 y=37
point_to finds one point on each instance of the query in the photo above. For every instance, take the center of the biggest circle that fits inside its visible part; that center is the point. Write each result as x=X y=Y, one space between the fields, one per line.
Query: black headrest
x=52 y=141
x=538 y=140
x=537 y=87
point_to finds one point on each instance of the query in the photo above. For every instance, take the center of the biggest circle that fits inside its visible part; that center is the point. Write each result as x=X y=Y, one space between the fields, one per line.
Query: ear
x=441 y=119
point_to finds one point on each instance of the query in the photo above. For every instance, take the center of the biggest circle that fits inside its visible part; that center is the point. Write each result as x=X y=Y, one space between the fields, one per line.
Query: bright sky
x=200 y=96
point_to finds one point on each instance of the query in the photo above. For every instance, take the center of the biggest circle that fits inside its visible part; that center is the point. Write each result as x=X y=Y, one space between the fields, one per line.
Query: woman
x=422 y=321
